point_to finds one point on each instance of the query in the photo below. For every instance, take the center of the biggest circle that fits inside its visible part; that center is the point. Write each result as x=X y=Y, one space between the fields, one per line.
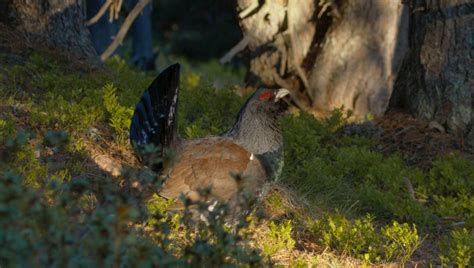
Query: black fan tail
x=154 y=119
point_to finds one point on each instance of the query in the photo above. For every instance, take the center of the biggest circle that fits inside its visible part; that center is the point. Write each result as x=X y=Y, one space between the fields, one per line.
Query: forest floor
x=395 y=191
x=419 y=142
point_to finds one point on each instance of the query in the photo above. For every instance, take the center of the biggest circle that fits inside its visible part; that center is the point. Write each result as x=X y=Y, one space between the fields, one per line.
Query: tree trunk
x=57 y=23
x=437 y=78
x=360 y=58
x=349 y=53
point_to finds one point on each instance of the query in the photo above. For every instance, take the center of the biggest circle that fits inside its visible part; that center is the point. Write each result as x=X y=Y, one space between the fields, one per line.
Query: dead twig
x=137 y=9
x=456 y=224
x=235 y=50
x=115 y=10
x=99 y=14
x=282 y=83
x=410 y=189
x=244 y=13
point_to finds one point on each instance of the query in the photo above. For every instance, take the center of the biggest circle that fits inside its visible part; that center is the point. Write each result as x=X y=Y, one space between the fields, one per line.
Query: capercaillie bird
x=253 y=147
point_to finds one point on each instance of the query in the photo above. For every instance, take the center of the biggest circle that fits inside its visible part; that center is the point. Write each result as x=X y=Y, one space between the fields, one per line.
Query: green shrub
x=458 y=249
x=21 y=157
x=451 y=175
x=337 y=174
x=448 y=188
x=7 y=127
x=400 y=241
x=357 y=238
x=278 y=238
x=120 y=116
x=360 y=238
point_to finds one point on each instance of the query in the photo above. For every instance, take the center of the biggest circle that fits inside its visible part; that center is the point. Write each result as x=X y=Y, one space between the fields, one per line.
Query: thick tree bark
x=58 y=24
x=360 y=58
x=350 y=53
x=437 y=78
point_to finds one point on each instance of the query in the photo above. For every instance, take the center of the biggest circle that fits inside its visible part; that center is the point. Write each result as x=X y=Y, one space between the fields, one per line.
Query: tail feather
x=154 y=119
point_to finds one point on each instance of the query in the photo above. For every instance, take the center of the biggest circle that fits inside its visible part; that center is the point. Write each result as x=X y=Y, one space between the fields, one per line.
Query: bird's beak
x=282 y=92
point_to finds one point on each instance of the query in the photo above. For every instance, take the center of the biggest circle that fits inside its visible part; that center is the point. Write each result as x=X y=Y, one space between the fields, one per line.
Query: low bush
x=278 y=238
x=362 y=239
x=458 y=248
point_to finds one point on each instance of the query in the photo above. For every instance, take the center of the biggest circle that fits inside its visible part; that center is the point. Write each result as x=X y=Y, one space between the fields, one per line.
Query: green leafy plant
x=120 y=116
x=7 y=127
x=360 y=238
x=401 y=241
x=278 y=238
x=458 y=249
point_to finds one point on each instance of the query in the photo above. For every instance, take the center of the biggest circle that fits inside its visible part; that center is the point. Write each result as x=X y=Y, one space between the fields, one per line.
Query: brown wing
x=209 y=162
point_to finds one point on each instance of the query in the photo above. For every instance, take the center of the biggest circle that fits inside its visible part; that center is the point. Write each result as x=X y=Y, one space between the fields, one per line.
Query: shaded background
x=198 y=30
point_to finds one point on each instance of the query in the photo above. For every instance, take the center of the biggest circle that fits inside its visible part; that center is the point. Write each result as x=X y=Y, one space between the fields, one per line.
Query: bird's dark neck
x=262 y=138
x=257 y=134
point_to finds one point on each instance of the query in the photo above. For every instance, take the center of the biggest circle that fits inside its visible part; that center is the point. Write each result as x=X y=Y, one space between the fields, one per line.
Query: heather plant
x=357 y=238
x=120 y=116
x=361 y=238
x=400 y=241
x=458 y=248
x=278 y=238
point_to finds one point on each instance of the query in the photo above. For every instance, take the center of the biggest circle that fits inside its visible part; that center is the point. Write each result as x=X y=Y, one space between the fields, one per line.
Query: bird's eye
x=265 y=95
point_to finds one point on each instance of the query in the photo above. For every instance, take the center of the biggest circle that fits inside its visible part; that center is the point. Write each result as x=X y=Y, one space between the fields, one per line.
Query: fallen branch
x=137 y=9
x=241 y=45
x=456 y=224
x=99 y=14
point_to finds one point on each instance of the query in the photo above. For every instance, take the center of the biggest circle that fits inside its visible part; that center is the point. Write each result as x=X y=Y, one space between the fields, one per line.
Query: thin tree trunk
x=54 y=23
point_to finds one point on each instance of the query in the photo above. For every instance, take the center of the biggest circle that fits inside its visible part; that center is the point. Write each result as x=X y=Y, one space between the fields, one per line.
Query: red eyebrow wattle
x=265 y=95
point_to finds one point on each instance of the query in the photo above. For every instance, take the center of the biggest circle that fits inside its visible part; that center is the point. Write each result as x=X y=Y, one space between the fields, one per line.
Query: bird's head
x=267 y=102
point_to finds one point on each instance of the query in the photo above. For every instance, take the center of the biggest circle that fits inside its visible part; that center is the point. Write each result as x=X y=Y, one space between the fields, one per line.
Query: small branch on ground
x=124 y=29
x=410 y=189
x=456 y=224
